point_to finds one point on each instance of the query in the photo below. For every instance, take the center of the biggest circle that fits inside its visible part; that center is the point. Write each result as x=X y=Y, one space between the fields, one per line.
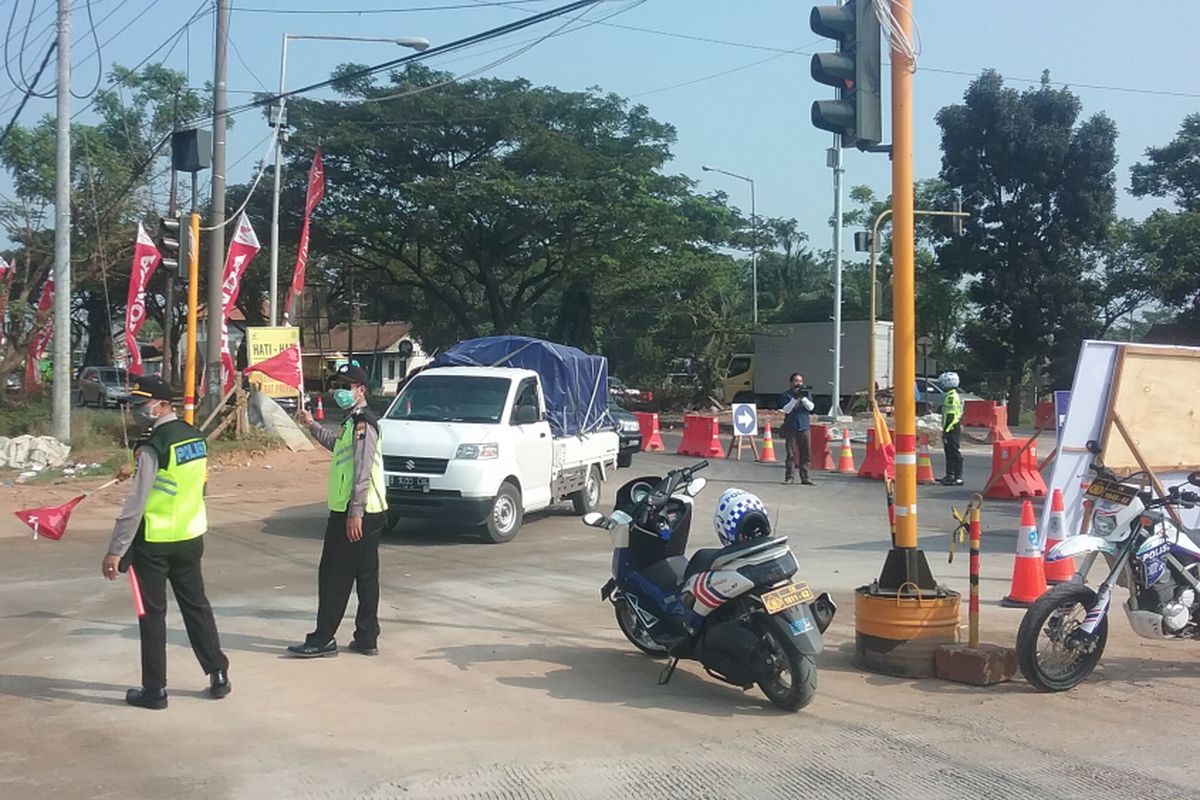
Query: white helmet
x=739 y=516
x=948 y=380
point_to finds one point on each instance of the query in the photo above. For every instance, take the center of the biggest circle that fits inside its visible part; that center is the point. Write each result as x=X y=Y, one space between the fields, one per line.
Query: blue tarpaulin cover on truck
x=575 y=384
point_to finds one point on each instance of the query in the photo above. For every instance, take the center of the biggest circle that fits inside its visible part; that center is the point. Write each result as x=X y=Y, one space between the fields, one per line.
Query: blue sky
x=712 y=68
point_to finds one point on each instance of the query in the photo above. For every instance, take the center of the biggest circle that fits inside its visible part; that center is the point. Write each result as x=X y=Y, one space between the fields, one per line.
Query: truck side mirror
x=525 y=415
x=1093 y=447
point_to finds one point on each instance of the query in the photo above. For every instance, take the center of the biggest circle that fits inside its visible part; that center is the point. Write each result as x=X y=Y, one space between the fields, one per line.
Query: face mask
x=344 y=398
x=143 y=416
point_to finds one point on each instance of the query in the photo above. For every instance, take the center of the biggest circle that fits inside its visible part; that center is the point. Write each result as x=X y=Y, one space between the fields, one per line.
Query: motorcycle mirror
x=594 y=519
x=1194 y=478
x=696 y=486
x=1093 y=447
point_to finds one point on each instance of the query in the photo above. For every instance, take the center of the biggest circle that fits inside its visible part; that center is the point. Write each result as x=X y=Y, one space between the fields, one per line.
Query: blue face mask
x=344 y=398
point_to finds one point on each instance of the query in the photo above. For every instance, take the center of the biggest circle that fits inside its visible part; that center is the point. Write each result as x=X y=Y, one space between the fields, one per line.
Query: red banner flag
x=284 y=367
x=241 y=250
x=145 y=259
x=42 y=334
x=316 y=190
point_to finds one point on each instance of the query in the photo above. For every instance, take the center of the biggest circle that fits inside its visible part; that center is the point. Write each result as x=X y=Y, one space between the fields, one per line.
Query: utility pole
x=835 y=159
x=61 y=388
x=216 y=252
x=172 y=210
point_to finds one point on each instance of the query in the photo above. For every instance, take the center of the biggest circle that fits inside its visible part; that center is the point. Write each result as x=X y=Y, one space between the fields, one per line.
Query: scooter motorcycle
x=734 y=609
x=1062 y=636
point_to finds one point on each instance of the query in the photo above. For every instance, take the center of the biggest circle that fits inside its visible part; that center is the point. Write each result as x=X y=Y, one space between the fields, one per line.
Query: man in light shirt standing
x=797 y=405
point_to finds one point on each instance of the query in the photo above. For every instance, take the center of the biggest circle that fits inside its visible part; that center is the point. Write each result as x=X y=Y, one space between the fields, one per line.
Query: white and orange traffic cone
x=846 y=455
x=925 y=463
x=768 y=447
x=1063 y=569
x=320 y=412
x=1029 y=571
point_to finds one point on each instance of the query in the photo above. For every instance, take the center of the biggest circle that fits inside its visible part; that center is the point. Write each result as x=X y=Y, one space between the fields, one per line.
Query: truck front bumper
x=443 y=505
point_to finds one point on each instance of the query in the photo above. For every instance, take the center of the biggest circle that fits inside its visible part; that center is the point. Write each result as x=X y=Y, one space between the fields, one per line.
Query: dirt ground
x=503 y=675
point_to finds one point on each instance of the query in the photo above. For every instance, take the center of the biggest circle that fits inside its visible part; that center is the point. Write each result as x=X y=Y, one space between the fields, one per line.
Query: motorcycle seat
x=702 y=560
x=666 y=574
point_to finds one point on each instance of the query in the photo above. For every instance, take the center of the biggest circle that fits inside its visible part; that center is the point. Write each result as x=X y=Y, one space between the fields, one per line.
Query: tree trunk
x=1014 y=399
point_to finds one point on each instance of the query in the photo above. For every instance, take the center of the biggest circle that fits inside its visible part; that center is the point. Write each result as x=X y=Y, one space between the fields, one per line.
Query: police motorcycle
x=734 y=609
x=1062 y=635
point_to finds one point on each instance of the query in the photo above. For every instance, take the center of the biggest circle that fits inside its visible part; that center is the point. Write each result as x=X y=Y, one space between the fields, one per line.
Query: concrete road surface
x=503 y=675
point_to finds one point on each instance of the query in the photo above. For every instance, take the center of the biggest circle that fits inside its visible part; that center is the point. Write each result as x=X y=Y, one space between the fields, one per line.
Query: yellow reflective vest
x=175 y=508
x=341 y=471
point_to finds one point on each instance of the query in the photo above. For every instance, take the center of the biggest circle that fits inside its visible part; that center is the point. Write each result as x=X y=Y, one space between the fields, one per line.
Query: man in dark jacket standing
x=357 y=518
x=797 y=405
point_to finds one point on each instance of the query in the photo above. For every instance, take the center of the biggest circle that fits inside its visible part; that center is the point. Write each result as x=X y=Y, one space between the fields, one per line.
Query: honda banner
x=241 y=250
x=145 y=259
x=43 y=332
x=316 y=190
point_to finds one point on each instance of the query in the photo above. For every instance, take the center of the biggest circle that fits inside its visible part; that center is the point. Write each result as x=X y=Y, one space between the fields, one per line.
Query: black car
x=629 y=430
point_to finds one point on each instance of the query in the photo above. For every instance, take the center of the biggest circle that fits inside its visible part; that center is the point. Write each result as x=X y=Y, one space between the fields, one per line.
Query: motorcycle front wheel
x=1053 y=654
x=792 y=681
x=635 y=631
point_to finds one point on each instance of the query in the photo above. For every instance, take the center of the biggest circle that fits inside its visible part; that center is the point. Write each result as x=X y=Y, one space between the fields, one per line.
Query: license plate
x=408 y=483
x=791 y=595
x=1112 y=492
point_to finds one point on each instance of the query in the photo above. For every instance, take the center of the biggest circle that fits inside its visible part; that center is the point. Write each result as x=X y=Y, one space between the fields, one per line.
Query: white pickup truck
x=473 y=446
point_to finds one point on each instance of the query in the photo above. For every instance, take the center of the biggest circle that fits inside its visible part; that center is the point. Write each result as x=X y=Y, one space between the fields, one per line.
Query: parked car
x=930 y=395
x=103 y=386
x=628 y=429
x=620 y=389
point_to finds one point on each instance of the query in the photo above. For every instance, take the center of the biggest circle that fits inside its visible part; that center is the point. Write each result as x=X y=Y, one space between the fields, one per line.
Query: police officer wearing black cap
x=357 y=518
x=160 y=531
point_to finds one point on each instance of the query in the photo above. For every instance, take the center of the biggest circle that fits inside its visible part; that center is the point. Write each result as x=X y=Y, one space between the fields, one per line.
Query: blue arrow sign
x=745 y=419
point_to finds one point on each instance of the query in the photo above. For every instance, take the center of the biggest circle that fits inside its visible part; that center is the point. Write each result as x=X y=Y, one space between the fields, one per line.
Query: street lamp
x=279 y=119
x=753 y=232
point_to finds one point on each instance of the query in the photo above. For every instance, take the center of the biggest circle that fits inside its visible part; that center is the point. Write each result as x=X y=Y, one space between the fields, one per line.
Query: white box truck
x=496 y=428
x=807 y=347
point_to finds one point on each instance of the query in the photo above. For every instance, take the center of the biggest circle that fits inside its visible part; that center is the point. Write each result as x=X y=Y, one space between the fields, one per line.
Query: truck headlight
x=473 y=452
x=630 y=425
x=1104 y=524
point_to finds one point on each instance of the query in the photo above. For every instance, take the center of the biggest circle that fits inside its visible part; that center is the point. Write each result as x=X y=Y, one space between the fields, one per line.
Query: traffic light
x=171 y=235
x=853 y=70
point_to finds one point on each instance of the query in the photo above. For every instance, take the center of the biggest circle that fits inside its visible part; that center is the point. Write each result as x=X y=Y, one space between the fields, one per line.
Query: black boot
x=219 y=685
x=154 y=699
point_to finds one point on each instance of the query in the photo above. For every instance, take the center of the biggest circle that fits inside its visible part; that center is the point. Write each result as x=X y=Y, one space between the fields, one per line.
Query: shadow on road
x=610 y=676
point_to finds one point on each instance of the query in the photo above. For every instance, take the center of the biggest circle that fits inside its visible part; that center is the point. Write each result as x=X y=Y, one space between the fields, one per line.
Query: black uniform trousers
x=951 y=444
x=177 y=562
x=797 y=448
x=345 y=564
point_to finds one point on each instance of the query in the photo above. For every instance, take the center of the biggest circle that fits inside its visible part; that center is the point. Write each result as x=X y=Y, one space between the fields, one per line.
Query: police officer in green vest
x=160 y=531
x=952 y=412
x=357 y=518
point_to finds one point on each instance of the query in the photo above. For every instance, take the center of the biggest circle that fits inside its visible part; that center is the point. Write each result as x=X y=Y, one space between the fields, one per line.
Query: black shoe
x=788 y=481
x=218 y=684
x=951 y=481
x=808 y=483
x=155 y=699
x=363 y=649
x=310 y=650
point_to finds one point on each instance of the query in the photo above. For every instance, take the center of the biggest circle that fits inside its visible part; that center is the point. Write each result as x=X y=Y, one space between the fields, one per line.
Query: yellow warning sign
x=261 y=344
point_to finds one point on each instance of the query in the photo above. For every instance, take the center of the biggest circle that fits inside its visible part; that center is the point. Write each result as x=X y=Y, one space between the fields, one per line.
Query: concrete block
x=980 y=666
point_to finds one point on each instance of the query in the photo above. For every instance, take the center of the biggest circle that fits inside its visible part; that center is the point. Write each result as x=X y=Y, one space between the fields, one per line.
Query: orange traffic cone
x=1029 y=572
x=846 y=455
x=1063 y=569
x=768 y=447
x=925 y=463
x=320 y=412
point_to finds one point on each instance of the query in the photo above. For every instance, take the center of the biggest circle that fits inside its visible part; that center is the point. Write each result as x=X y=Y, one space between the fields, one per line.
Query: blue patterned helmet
x=740 y=515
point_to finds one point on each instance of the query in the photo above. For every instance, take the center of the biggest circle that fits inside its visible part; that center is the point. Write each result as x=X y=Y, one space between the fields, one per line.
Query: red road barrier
x=822 y=457
x=1014 y=473
x=998 y=425
x=1044 y=416
x=651 y=437
x=701 y=437
x=979 y=413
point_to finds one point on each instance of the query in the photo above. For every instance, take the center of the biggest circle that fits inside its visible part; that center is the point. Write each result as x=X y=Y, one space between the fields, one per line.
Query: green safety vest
x=175 y=509
x=341 y=472
x=952 y=410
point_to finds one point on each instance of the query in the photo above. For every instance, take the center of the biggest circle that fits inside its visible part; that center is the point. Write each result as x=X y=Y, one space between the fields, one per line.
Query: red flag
x=316 y=190
x=284 y=367
x=41 y=335
x=241 y=250
x=145 y=259
x=49 y=521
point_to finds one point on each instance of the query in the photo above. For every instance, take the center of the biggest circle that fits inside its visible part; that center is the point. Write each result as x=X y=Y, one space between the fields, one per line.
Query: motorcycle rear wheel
x=1050 y=664
x=794 y=683
x=635 y=631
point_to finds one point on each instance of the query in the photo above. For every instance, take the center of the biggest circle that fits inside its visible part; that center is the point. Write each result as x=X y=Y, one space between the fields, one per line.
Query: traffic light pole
x=193 y=299
x=835 y=407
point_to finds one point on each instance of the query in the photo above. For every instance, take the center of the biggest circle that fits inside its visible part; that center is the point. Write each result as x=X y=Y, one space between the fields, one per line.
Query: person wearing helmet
x=952 y=412
x=740 y=516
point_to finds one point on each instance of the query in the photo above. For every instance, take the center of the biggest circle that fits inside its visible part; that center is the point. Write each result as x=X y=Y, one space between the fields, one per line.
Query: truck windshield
x=452 y=398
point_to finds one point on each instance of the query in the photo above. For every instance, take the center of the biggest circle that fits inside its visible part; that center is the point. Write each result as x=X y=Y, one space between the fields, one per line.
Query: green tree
x=1040 y=185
